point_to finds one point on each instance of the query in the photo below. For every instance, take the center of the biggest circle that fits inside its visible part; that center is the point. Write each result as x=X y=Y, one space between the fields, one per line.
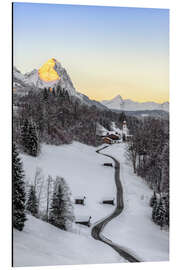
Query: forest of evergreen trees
x=149 y=153
x=58 y=118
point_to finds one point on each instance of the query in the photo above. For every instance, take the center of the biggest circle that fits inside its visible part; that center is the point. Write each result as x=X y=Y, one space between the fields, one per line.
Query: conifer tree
x=32 y=205
x=24 y=140
x=29 y=138
x=34 y=145
x=45 y=94
x=153 y=200
x=61 y=211
x=19 y=216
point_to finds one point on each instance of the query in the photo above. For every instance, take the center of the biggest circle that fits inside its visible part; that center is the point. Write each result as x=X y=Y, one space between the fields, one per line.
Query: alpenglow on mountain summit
x=52 y=73
x=49 y=75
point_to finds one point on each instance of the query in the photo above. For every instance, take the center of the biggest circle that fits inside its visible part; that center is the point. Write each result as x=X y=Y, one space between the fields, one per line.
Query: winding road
x=98 y=227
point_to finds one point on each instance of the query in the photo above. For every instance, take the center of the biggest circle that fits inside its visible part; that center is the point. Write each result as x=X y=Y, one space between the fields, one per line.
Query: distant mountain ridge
x=118 y=103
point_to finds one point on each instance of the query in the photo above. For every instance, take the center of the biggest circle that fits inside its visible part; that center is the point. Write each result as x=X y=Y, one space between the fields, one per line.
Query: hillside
x=82 y=168
x=41 y=244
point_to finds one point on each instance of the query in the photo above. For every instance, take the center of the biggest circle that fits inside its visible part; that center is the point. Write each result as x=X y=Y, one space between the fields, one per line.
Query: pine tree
x=45 y=94
x=32 y=205
x=34 y=145
x=53 y=92
x=159 y=213
x=61 y=211
x=154 y=211
x=29 y=138
x=153 y=200
x=24 y=140
x=19 y=216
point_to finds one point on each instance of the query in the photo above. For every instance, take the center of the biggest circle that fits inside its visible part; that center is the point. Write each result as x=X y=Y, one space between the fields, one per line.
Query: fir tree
x=19 y=216
x=24 y=140
x=61 y=211
x=153 y=200
x=34 y=145
x=53 y=92
x=29 y=138
x=45 y=94
x=159 y=213
x=32 y=205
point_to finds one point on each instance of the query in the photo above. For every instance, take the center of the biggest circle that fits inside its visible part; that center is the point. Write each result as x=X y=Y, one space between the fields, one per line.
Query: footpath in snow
x=134 y=229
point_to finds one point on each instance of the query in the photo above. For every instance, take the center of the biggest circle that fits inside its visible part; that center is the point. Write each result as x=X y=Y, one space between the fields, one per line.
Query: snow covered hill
x=42 y=244
x=82 y=169
x=118 y=103
x=134 y=228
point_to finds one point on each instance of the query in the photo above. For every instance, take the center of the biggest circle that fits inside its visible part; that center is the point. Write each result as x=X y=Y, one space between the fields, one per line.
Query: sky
x=107 y=51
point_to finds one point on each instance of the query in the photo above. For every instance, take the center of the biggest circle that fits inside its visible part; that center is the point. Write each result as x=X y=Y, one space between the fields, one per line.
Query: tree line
x=149 y=153
x=52 y=116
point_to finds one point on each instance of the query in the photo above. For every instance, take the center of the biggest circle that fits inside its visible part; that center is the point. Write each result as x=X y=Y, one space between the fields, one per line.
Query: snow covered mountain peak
x=119 y=99
x=50 y=74
x=118 y=103
x=47 y=72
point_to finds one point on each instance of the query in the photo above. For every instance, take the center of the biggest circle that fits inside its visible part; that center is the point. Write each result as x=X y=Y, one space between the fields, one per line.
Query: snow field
x=41 y=244
x=82 y=169
x=134 y=229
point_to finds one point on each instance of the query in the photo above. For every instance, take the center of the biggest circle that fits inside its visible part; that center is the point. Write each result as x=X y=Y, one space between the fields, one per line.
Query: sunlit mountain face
x=47 y=72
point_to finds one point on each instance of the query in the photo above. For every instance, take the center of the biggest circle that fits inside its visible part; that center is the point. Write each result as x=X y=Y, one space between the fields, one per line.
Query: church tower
x=124 y=131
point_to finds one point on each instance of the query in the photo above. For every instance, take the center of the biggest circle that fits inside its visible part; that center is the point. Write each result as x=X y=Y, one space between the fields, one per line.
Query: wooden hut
x=107 y=140
x=80 y=200
x=108 y=164
x=85 y=220
x=108 y=201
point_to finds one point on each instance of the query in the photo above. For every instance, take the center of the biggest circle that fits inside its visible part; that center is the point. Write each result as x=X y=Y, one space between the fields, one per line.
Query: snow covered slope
x=134 y=228
x=118 y=103
x=82 y=169
x=41 y=244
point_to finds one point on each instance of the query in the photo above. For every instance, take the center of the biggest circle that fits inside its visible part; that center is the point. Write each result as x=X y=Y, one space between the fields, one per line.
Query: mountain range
x=52 y=74
x=118 y=103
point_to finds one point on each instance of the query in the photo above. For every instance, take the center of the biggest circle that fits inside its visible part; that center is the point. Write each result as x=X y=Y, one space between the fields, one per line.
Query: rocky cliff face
x=49 y=75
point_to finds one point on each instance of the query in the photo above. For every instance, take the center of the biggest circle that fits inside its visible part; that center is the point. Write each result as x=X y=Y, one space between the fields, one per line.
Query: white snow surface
x=82 y=169
x=134 y=229
x=42 y=244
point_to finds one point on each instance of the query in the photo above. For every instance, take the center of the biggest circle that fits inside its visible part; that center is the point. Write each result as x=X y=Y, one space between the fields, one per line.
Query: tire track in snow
x=97 y=229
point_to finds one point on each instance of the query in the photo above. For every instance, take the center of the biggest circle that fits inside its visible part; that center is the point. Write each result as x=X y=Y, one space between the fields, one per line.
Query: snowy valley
x=81 y=166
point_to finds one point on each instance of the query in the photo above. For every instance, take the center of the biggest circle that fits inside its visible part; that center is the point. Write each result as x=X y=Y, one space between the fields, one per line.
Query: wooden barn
x=84 y=220
x=80 y=200
x=108 y=201
x=108 y=164
x=113 y=137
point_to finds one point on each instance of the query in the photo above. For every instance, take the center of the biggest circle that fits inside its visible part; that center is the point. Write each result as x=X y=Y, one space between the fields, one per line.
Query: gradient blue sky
x=106 y=50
